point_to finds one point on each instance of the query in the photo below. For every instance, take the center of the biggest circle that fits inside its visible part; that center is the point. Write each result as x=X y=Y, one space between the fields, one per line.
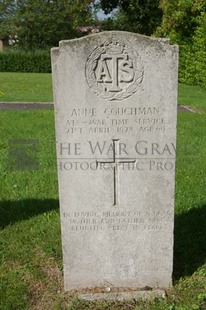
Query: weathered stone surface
x=124 y=296
x=115 y=109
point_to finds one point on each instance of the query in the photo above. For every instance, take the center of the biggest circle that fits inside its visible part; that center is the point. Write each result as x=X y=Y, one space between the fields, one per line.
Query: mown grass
x=31 y=87
x=194 y=96
x=30 y=244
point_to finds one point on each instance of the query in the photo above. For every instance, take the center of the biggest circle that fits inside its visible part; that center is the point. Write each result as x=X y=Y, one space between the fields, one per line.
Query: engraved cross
x=114 y=163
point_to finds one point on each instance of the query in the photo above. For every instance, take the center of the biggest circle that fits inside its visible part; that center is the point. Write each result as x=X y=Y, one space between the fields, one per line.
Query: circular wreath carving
x=128 y=65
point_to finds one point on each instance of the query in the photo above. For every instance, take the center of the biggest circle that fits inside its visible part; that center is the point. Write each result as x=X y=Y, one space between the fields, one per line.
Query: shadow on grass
x=190 y=230
x=190 y=241
x=14 y=211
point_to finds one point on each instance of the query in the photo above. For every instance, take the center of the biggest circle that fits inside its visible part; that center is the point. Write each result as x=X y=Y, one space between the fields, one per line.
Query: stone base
x=123 y=296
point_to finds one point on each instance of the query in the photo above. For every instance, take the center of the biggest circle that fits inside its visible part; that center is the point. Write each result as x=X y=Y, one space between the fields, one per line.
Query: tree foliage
x=181 y=19
x=184 y=22
x=41 y=23
x=141 y=16
x=7 y=15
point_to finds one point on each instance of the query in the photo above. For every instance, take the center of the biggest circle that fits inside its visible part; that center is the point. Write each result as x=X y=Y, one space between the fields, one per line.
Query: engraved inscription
x=148 y=221
x=124 y=120
x=114 y=70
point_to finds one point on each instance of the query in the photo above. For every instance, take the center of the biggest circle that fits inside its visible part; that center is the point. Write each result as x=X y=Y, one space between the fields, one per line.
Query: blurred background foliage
x=30 y=25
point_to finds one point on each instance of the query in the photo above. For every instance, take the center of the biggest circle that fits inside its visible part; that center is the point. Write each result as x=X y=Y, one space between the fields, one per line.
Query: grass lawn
x=30 y=245
x=194 y=96
x=31 y=87
x=37 y=87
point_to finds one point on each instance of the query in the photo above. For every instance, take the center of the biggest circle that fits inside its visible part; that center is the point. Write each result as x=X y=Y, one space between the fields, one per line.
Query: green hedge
x=25 y=61
x=192 y=68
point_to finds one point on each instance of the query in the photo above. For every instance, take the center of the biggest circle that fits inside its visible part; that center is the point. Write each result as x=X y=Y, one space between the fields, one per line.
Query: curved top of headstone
x=103 y=34
x=122 y=51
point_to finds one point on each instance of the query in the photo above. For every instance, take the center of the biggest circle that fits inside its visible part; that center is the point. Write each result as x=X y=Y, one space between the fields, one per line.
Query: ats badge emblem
x=114 y=70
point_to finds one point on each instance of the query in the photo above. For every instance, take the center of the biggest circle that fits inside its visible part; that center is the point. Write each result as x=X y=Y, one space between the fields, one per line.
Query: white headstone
x=115 y=108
